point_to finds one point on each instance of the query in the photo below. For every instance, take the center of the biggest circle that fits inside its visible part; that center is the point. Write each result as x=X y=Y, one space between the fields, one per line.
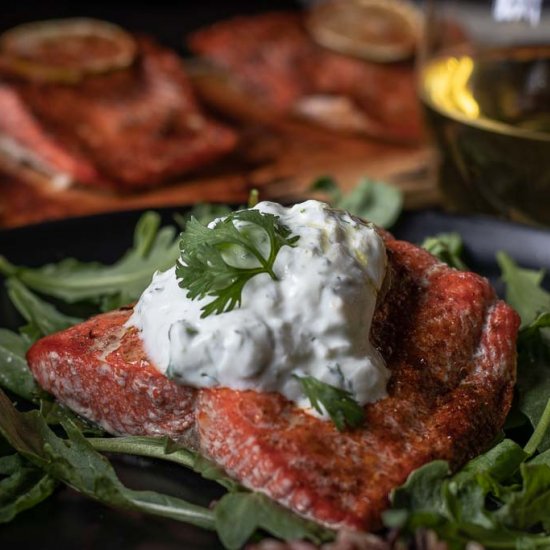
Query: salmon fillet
x=127 y=129
x=446 y=338
x=276 y=62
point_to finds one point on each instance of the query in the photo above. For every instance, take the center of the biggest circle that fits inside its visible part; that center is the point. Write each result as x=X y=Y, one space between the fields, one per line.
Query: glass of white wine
x=484 y=79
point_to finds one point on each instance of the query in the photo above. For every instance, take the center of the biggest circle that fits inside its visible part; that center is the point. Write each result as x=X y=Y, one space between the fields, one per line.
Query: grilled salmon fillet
x=448 y=341
x=277 y=63
x=126 y=129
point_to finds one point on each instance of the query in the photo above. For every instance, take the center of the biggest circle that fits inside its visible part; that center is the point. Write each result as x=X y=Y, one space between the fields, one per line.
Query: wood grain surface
x=278 y=156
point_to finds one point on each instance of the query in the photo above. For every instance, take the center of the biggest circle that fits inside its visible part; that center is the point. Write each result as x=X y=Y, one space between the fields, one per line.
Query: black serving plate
x=69 y=521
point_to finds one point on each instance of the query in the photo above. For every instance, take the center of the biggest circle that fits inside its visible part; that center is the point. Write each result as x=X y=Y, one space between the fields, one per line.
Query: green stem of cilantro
x=266 y=264
x=253 y=198
x=540 y=431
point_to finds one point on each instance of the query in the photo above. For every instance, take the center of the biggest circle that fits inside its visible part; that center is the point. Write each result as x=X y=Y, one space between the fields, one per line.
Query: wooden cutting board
x=279 y=157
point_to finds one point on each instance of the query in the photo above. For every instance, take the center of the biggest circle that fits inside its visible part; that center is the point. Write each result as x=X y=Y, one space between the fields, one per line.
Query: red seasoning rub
x=447 y=340
x=125 y=128
x=276 y=62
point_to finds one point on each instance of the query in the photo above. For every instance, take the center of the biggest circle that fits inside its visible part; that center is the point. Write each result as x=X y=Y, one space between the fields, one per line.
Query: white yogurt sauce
x=315 y=320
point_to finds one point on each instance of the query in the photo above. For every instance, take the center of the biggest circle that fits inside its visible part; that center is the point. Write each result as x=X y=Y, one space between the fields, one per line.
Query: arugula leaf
x=525 y=293
x=486 y=501
x=210 y=257
x=238 y=514
x=447 y=247
x=23 y=486
x=501 y=462
x=15 y=375
x=109 y=286
x=421 y=495
x=43 y=318
x=372 y=200
x=54 y=413
x=541 y=435
x=75 y=462
x=256 y=511
x=533 y=373
x=339 y=404
x=526 y=508
x=164 y=449
x=523 y=289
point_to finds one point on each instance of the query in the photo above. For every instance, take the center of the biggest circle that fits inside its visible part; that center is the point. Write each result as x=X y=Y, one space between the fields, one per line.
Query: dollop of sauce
x=314 y=321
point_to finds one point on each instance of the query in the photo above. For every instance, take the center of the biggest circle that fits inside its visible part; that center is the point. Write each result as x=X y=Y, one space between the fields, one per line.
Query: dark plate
x=69 y=521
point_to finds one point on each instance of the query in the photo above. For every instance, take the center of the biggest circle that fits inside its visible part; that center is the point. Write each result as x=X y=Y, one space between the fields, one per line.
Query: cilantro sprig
x=339 y=404
x=218 y=261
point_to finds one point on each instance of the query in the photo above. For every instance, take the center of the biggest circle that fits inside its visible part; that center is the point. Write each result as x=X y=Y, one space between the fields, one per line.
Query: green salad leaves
x=500 y=499
x=447 y=247
x=110 y=286
x=376 y=201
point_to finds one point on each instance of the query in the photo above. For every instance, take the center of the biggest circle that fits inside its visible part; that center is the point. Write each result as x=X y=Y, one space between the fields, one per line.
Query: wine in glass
x=484 y=79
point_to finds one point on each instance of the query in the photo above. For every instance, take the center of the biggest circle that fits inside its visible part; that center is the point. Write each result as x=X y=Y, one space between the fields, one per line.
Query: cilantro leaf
x=447 y=247
x=372 y=200
x=218 y=261
x=109 y=286
x=339 y=404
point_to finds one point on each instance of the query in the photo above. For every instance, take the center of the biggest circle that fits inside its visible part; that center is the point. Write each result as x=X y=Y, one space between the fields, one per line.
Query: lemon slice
x=66 y=50
x=376 y=30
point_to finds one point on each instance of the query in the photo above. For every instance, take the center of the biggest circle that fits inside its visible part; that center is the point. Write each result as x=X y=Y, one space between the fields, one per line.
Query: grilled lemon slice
x=66 y=50
x=376 y=30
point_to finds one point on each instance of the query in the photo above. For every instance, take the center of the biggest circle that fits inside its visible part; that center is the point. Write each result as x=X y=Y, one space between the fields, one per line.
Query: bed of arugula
x=500 y=499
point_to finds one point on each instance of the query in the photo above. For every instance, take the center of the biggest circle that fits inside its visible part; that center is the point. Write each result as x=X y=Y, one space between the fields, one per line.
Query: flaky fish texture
x=448 y=341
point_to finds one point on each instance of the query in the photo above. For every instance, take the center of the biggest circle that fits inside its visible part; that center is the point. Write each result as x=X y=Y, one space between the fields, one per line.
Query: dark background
x=169 y=22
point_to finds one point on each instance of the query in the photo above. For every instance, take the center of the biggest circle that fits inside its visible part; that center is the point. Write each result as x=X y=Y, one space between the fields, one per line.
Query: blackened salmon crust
x=127 y=129
x=448 y=341
x=277 y=63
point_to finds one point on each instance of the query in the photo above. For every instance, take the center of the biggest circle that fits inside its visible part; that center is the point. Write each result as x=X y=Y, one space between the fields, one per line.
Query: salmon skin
x=448 y=341
x=277 y=63
x=126 y=129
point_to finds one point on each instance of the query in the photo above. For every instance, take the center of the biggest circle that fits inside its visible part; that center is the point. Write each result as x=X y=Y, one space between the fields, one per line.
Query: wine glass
x=484 y=80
